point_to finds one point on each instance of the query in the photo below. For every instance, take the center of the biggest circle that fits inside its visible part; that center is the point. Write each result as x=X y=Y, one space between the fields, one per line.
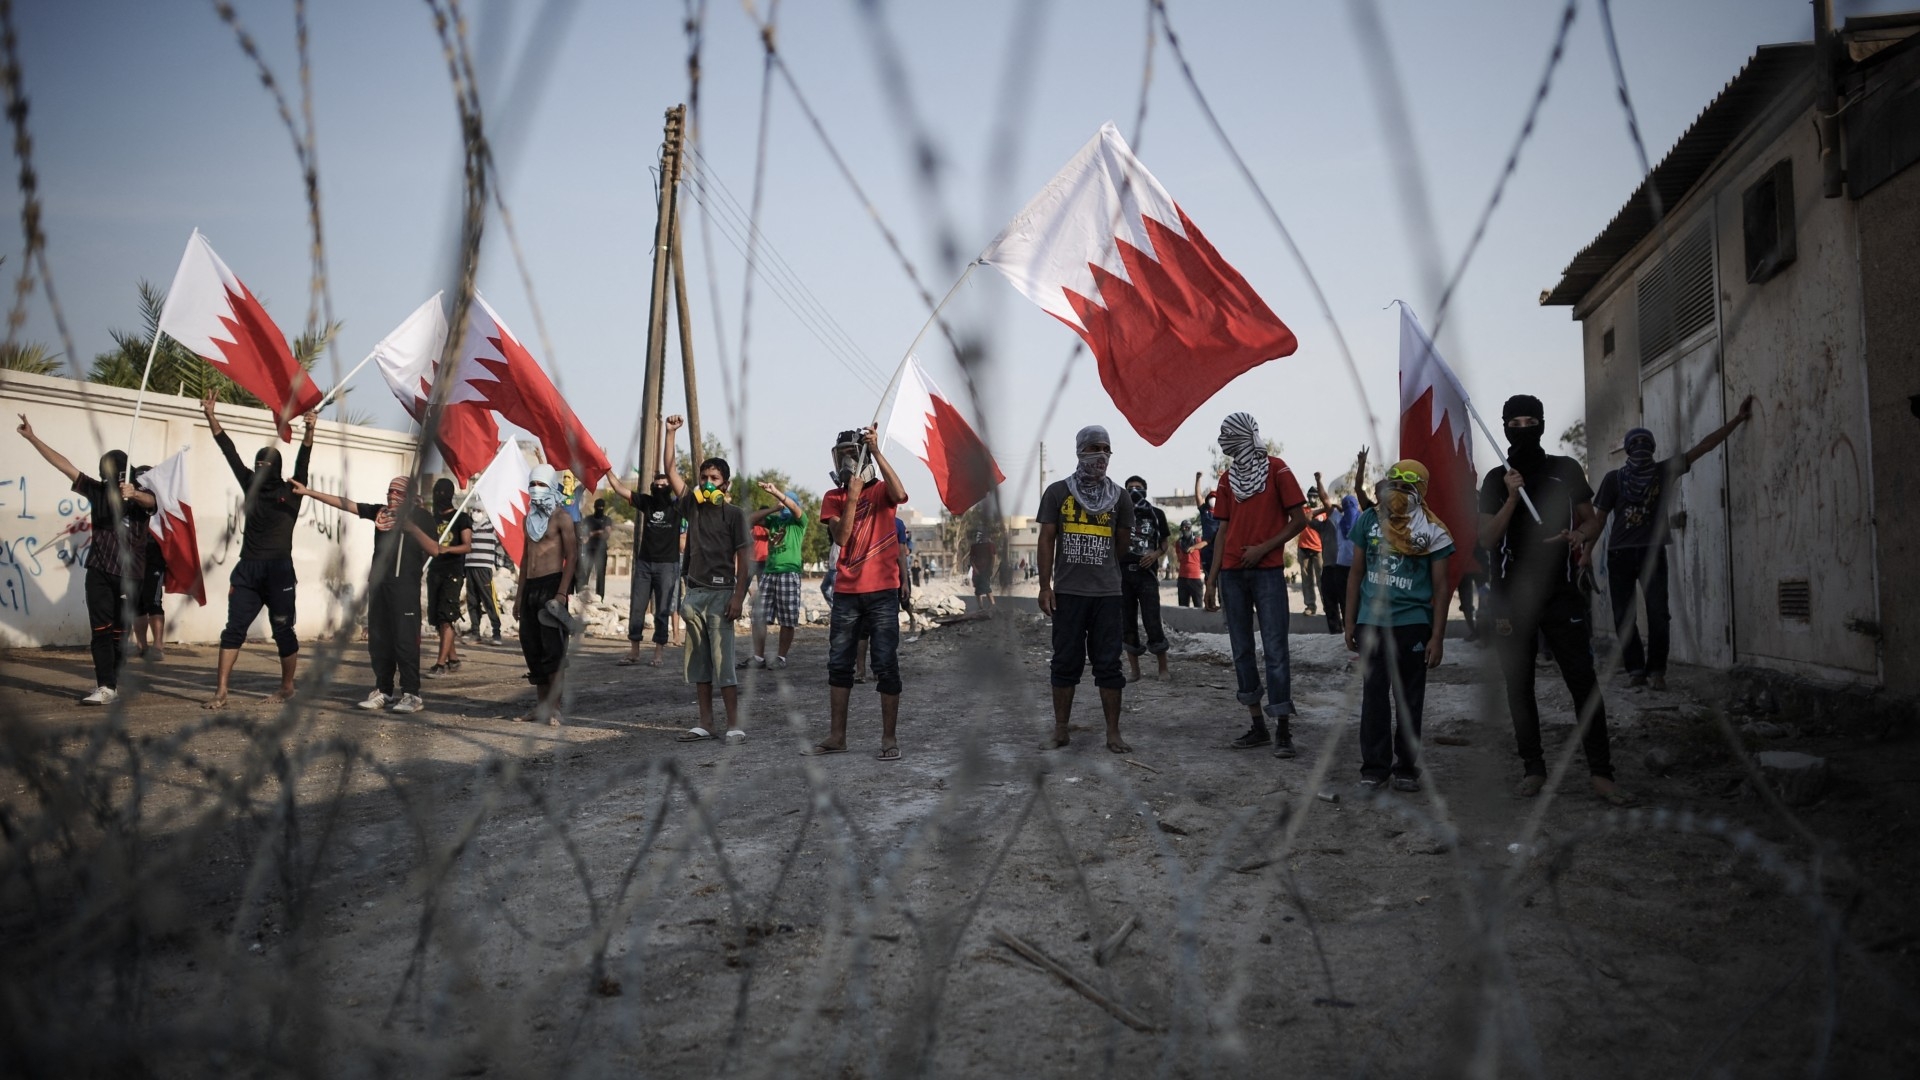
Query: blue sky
x=149 y=121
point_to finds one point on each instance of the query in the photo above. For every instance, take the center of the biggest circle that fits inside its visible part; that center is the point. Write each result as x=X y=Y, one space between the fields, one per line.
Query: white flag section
x=925 y=424
x=212 y=313
x=408 y=357
x=502 y=490
x=172 y=526
x=1101 y=198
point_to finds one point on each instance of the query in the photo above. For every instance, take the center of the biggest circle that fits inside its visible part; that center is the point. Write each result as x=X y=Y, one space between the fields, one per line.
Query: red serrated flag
x=1434 y=432
x=172 y=526
x=502 y=490
x=497 y=371
x=1104 y=249
x=926 y=425
x=216 y=317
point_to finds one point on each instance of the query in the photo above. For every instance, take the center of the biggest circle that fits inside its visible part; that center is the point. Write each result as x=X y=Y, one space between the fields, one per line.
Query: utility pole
x=686 y=333
x=651 y=459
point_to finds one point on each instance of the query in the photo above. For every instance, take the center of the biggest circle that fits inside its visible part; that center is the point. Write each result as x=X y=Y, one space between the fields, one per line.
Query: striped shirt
x=486 y=545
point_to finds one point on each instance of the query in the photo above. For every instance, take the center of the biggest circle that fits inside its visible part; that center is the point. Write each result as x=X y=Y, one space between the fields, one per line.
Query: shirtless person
x=546 y=575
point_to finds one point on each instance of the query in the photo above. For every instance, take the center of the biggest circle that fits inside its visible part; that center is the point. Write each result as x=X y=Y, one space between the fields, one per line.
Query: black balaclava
x=599 y=506
x=266 y=467
x=443 y=497
x=113 y=468
x=660 y=484
x=1523 y=443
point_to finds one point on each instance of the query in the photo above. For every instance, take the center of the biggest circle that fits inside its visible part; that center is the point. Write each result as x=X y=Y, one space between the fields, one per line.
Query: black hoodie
x=271 y=508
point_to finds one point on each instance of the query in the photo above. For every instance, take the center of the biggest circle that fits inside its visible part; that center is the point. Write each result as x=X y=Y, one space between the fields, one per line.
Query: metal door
x=1681 y=404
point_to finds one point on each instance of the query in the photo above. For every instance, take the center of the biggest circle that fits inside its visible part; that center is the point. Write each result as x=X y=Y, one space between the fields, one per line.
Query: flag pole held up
x=899 y=370
x=140 y=398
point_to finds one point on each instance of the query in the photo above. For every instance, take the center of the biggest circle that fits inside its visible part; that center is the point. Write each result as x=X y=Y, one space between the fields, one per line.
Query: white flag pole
x=894 y=383
x=154 y=347
x=334 y=393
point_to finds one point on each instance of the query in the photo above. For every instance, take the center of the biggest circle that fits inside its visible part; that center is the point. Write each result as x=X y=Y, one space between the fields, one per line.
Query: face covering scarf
x=1408 y=529
x=542 y=502
x=1091 y=486
x=1247 y=469
x=389 y=515
x=1638 y=474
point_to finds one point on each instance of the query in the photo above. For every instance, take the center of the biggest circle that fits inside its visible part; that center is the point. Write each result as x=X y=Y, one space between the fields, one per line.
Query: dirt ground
x=328 y=891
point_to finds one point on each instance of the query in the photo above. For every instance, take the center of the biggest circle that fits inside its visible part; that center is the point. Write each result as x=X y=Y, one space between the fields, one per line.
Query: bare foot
x=553 y=720
x=888 y=752
x=524 y=718
x=1609 y=792
x=1059 y=739
x=1118 y=745
x=217 y=701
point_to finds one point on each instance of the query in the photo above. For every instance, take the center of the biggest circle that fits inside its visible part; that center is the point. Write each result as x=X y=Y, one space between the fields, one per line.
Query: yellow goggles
x=1405 y=476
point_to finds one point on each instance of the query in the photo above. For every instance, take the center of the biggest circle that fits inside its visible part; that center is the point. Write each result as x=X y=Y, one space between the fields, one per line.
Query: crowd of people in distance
x=1377 y=563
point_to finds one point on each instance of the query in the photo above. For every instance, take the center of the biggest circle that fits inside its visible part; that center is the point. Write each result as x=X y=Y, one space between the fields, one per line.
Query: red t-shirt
x=1309 y=537
x=1259 y=519
x=870 y=559
x=1190 y=562
x=760 y=537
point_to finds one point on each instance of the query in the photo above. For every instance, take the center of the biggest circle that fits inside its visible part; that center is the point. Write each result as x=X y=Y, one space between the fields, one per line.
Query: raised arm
x=1719 y=435
x=619 y=488
x=674 y=479
x=241 y=472
x=1360 y=481
x=305 y=453
x=895 y=489
x=54 y=457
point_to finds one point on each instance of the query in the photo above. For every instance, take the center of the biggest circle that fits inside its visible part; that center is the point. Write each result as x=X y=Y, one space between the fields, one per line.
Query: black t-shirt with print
x=1526 y=566
x=659 y=525
x=1641 y=524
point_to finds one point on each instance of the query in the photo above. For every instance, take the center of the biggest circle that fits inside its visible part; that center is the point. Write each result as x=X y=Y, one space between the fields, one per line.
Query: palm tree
x=31 y=358
x=176 y=370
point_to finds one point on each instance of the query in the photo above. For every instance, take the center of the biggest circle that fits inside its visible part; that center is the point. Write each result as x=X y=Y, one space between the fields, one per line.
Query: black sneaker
x=496 y=637
x=435 y=671
x=453 y=666
x=1371 y=786
x=1283 y=745
x=1254 y=737
x=1406 y=783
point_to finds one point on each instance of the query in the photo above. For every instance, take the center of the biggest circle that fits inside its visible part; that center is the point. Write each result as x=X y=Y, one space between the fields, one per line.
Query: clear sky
x=149 y=121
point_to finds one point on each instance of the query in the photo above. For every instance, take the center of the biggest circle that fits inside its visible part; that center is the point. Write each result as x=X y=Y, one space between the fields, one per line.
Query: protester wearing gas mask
x=403 y=539
x=1140 y=582
x=263 y=577
x=1639 y=498
x=656 y=563
x=1537 y=590
x=1086 y=521
x=116 y=556
x=860 y=516
x=719 y=550
x=548 y=563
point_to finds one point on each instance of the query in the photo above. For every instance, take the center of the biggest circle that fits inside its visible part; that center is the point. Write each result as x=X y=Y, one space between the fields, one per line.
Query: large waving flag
x=1104 y=249
x=498 y=372
x=210 y=312
x=926 y=425
x=172 y=525
x=408 y=359
x=1434 y=432
x=502 y=490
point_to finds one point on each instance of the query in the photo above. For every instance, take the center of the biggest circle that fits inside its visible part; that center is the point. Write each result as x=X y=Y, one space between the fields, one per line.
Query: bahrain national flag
x=926 y=425
x=409 y=359
x=210 y=312
x=1433 y=431
x=502 y=489
x=499 y=372
x=1104 y=249
x=172 y=525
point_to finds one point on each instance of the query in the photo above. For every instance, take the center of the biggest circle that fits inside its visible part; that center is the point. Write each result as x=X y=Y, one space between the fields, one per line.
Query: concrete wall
x=44 y=527
x=1889 y=221
x=1799 y=496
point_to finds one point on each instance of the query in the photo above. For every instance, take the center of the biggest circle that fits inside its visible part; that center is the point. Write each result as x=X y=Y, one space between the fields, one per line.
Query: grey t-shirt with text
x=1086 y=560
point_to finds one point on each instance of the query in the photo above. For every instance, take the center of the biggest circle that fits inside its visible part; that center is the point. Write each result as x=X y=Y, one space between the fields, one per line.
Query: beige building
x=1775 y=251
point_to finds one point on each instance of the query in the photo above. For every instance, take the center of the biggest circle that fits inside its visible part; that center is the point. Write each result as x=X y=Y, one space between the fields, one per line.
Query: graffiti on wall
x=31 y=543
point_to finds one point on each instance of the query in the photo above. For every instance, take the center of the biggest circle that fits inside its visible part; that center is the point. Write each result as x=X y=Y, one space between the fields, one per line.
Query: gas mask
x=847 y=454
x=709 y=494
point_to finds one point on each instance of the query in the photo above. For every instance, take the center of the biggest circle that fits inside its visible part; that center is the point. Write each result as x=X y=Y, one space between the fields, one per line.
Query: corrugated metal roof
x=1767 y=73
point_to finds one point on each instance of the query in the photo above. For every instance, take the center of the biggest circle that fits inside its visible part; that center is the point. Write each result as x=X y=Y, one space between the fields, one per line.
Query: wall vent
x=1796 y=602
x=1606 y=342
x=1675 y=296
x=1766 y=212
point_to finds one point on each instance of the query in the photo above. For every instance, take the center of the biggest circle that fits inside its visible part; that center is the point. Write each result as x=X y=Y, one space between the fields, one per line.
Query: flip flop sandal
x=821 y=750
x=890 y=753
x=626 y=661
x=698 y=734
x=735 y=737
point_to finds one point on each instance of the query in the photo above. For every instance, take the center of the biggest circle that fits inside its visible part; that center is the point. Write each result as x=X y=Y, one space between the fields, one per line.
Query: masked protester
x=1638 y=498
x=116 y=556
x=779 y=590
x=593 y=549
x=981 y=555
x=656 y=563
x=264 y=577
x=1259 y=506
x=447 y=575
x=1538 y=590
x=404 y=538
x=1086 y=522
x=149 y=606
x=482 y=559
x=1140 y=583
x=1190 y=550
x=719 y=549
x=547 y=566
x=1396 y=601
x=862 y=518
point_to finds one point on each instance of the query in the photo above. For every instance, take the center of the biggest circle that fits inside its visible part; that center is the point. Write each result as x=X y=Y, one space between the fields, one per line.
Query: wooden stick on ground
x=1112 y=945
x=1140 y=764
x=1081 y=986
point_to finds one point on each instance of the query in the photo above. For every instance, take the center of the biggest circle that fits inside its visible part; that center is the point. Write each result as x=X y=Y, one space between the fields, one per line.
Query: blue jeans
x=873 y=615
x=1243 y=593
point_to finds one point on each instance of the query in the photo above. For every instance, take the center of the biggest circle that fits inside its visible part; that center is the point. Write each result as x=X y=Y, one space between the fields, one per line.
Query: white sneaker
x=777 y=662
x=102 y=695
x=409 y=703
x=375 y=700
